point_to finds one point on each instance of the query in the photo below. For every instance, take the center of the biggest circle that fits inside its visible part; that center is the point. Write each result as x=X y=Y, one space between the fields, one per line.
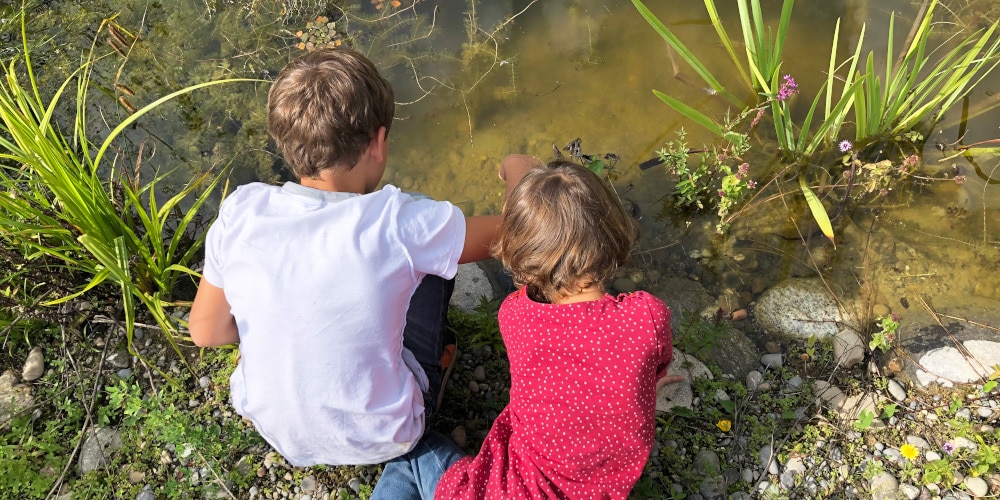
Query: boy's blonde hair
x=325 y=107
x=563 y=229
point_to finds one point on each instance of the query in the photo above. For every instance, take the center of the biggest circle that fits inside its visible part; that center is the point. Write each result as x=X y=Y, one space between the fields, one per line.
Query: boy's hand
x=513 y=168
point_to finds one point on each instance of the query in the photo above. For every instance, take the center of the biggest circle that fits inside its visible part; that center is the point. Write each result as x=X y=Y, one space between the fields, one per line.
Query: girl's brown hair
x=563 y=229
x=324 y=108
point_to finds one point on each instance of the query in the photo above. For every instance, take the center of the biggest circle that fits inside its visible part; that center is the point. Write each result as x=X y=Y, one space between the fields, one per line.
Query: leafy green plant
x=63 y=201
x=479 y=327
x=886 y=334
x=865 y=419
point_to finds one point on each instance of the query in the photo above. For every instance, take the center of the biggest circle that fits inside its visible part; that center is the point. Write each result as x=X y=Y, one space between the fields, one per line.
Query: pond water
x=473 y=86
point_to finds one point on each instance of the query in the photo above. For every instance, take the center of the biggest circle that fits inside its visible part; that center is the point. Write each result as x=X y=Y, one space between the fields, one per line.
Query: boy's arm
x=481 y=230
x=211 y=322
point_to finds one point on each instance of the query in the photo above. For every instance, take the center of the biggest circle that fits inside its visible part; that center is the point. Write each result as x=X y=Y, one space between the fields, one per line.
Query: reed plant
x=912 y=93
x=64 y=197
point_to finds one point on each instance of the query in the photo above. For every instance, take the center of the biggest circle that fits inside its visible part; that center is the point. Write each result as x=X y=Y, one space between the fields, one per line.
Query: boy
x=336 y=292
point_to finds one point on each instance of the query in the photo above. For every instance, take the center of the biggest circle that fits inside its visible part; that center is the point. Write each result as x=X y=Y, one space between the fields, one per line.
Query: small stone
x=910 y=491
x=269 y=459
x=883 y=486
x=739 y=314
x=458 y=435
x=354 y=484
x=261 y=471
x=754 y=378
x=848 y=348
x=977 y=486
x=136 y=476
x=479 y=373
x=473 y=387
x=772 y=347
x=880 y=310
x=34 y=366
x=308 y=485
x=124 y=373
x=771 y=360
x=896 y=390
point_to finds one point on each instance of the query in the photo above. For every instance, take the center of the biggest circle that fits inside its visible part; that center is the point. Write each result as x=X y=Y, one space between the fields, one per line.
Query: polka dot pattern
x=581 y=417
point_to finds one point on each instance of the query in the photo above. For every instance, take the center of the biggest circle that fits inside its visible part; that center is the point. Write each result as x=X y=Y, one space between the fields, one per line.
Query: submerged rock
x=801 y=308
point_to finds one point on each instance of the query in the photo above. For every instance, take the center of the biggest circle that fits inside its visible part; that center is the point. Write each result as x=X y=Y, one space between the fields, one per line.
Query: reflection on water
x=567 y=69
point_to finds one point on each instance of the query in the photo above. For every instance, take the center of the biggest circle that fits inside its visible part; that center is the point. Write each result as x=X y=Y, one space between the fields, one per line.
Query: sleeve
x=433 y=233
x=664 y=337
x=212 y=271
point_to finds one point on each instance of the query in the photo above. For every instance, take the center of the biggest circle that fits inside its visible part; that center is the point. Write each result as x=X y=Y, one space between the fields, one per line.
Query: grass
x=76 y=201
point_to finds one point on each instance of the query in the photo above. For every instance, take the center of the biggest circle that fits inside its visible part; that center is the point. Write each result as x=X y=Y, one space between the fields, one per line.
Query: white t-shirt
x=319 y=283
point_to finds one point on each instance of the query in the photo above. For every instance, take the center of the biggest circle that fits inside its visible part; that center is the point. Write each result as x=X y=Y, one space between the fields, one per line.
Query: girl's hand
x=669 y=379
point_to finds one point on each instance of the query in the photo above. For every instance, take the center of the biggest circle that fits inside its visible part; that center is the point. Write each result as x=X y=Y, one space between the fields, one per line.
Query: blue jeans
x=416 y=474
x=425 y=331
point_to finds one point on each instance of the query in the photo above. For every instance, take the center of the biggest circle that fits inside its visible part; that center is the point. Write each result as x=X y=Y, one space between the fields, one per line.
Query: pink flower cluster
x=787 y=89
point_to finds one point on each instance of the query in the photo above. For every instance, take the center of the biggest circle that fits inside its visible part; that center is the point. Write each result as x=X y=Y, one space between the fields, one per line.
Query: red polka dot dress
x=581 y=417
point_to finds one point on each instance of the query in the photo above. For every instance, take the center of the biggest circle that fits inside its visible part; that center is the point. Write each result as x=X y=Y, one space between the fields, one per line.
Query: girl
x=584 y=364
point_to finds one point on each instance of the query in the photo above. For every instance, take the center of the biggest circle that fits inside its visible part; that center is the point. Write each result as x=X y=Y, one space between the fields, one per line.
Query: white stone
x=848 y=349
x=946 y=365
x=800 y=308
x=34 y=366
x=680 y=393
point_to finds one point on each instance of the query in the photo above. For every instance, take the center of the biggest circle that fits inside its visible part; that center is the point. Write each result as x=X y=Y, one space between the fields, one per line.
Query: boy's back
x=319 y=283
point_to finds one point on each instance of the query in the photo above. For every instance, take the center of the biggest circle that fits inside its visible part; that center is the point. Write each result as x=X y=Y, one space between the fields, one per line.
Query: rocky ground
x=770 y=417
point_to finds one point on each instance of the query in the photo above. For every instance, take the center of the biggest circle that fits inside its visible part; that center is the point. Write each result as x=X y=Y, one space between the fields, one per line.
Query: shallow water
x=562 y=70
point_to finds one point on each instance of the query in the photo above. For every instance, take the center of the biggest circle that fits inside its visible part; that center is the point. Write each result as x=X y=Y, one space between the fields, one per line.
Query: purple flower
x=787 y=89
x=845 y=146
x=959 y=179
x=751 y=184
x=948 y=447
x=722 y=194
x=744 y=168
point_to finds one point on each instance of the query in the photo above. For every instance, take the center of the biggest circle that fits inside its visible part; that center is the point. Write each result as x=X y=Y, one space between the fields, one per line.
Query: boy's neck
x=341 y=182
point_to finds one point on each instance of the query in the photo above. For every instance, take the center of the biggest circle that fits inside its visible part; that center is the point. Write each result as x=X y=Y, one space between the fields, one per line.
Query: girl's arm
x=211 y=322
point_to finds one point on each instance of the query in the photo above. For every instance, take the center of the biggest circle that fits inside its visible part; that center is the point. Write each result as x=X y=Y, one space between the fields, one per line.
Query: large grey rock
x=97 y=447
x=14 y=397
x=735 y=354
x=680 y=394
x=801 y=308
x=471 y=286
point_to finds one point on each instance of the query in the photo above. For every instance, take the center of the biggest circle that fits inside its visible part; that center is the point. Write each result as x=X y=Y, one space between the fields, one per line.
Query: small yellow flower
x=724 y=425
x=908 y=451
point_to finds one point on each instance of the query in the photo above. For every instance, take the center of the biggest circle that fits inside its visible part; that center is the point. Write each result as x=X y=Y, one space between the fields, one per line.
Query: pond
x=478 y=80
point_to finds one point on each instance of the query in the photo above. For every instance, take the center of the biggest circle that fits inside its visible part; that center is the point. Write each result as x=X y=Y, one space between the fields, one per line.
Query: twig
x=88 y=408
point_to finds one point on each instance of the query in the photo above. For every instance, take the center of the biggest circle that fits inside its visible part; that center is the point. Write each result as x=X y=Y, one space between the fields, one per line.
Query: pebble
x=896 y=390
x=910 y=491
x=479 y=373
x=771 y=360
x=754 y=378
x=473 y=387
x=354 y=484
x=458 y=435
x=883 y=486
x=977 y=486
x=34 y=365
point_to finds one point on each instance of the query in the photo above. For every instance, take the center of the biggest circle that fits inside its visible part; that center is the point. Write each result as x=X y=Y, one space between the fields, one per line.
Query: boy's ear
x=378 y=145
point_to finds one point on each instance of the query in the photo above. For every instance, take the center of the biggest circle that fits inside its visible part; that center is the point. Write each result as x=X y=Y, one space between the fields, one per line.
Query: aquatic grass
x=57 y=202
x=912 y=93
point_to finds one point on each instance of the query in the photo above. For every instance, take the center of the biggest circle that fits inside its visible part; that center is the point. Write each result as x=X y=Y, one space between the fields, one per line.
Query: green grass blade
x=685 y=53
x=691 y=113
x=817 y=209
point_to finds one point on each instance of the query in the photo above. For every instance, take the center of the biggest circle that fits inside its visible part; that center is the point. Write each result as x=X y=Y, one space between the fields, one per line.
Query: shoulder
x=644 y=300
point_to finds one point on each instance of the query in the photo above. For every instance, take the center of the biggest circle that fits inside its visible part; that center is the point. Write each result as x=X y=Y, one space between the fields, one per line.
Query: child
x=336 y=292
x=584 y=364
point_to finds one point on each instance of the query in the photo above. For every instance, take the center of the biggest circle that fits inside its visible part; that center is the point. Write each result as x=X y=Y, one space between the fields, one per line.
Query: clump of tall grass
x=912 y=92
x=64 y=197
